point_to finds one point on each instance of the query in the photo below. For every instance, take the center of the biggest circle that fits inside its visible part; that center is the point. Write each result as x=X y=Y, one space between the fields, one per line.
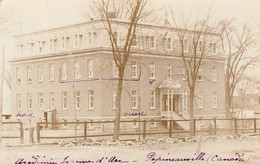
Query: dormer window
x=64 y=42
x=151 y=42
x=30 y=48
x=41 y=45
x=77 y=40
x=91 y=37
x=200 y=76
x=53 y=44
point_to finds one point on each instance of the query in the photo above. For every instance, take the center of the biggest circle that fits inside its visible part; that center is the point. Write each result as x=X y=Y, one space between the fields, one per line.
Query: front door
x=173 y=103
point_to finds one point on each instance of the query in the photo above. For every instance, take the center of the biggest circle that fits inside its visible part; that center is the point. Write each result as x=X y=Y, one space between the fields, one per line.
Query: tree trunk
x=228 y=100
x=118 y=103
x=192 y=132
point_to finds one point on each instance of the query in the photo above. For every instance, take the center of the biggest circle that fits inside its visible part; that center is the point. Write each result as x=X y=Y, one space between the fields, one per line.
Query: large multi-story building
x=71 y=69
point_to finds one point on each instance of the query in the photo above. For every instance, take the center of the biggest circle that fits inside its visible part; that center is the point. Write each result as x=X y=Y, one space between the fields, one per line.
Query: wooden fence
x=21 y=134
x=232 y=126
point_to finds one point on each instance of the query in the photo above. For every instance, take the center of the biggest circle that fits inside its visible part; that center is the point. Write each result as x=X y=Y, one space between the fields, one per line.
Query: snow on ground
x=248 y=149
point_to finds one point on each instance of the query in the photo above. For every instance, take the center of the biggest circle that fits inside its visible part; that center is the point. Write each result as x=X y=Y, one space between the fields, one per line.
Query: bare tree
x=236 y=44
x=131 y=11
x=195 y=42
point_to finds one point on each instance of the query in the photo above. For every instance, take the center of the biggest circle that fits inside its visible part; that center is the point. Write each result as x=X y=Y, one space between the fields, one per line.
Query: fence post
x=255 y=125
x=31 y=140
x=85 y=130
x=236 y=126
x=194 y=127
x=215 y=126
x=38 y=132
x=21 y=133
x=144 y=129
x=170 y=129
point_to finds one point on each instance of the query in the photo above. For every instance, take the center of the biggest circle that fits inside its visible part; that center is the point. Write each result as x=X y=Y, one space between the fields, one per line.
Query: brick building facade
x=71 y=69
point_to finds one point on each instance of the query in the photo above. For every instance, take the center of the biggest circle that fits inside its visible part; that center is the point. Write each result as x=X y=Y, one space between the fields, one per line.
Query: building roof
x=171 y=84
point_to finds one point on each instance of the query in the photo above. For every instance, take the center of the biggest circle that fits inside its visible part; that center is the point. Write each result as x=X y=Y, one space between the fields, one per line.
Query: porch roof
x=169 y=83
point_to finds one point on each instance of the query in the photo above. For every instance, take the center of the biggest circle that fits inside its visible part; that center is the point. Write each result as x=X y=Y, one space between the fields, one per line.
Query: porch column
x=172 y=101
x=183 y=102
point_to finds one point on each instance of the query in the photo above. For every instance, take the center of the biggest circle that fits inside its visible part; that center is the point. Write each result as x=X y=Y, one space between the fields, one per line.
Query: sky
x=32 y=15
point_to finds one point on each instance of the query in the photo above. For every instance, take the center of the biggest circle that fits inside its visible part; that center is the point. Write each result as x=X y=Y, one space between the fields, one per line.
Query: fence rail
x=251 y=126
x=21 y=135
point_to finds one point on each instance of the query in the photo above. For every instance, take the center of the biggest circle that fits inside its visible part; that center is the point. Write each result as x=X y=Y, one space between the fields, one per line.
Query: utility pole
x=1 y=91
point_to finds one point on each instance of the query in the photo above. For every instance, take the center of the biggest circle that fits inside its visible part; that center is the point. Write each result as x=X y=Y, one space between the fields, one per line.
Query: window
x=51 y=72
x=200 y=46
x=91 y=99
x=41 y=46
x=63 y=71
x=115 y=70
x=19 y=101
x=134 y=42
x=76 y=70
x=152 y=100
x=29 y=101
x=20 y=49
x=152 y=70
x=215 y=100
x=18 y=75
x=134 y=69
x=214 y=47
x=53 y=44
x=115 y=37
x=169 y=43
x=200 y=76
x=169 y=71
x=29 y=74
x=152 y=42
x=114 y=99
x=77 y=40
x=90 y=69
x=64 y=100
x=134 y=100
x=215 y=74
x=77 y=99
x=185 y=45
x=30 y=48
x=51 y=100
x=91 y=37
x=64 y=42
x=40 y=100
x=40 y=74
x=200 y=98
x=184 y=74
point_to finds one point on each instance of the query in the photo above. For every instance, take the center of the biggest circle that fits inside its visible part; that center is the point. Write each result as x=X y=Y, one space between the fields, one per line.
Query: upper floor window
x=185 y=45
x=169 y=71
x=19 y=101
x=91 y=37
x=51 y=72
x=29 y=74
x=53 y=44
x=90 y=68
x=115 y=37
x=30 y=48
x=76 y=70
x=91 y=99
x=51 y=100
x=152 y=100
x=200 y=98
x=168 y=43
x=77 y=40
x=213 y=47
x=40 y=100
x=64 y=42
x=64 y=100
x=20 y=49
x=134 y=100
x=40 y=74
x=134 y=42
x=134 y=69
x=215 y=99
x=200 y=74
x=152 y=70
x=200 y=46
x=41 y=46
x=63 y=71
x=18 y=75
x=115 y=70
x=29 y=101
x=215 y=74
x=77 y=99
x=152 y=42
